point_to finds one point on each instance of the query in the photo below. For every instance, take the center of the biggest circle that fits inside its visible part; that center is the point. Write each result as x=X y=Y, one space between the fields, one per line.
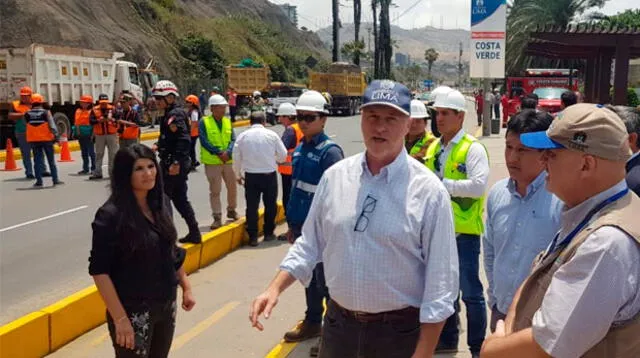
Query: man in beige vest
x=582 y=298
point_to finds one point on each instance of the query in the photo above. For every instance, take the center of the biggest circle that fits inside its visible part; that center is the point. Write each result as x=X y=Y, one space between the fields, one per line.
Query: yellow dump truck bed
x=338 y=84
x=245 y=80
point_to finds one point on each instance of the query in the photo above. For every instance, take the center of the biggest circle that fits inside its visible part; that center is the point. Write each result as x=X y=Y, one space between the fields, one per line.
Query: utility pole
x=460 y=67
x=336 y=30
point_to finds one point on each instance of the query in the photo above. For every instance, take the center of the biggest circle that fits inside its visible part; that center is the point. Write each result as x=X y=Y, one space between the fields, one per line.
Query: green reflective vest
x=467 y=212
x=417 y=147
x=218 y=138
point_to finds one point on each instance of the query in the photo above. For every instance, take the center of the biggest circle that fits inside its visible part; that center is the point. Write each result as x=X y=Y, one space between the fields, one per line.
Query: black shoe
x=192 y=238
x=83 y=172
x=197 y=164
x=58 y=182
x=446 y=348
x=95 y=177
x=37 y=185
x=46 y=174
x=253 y=242
x=270 y=237
x=31 y=176
x=283 y=237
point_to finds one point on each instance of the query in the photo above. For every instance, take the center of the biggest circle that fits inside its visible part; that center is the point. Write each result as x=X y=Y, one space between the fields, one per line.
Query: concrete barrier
x=74 y=146
x=50 y=328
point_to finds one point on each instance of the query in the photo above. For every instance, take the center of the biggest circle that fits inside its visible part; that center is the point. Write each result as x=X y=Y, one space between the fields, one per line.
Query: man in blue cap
x=382 y=224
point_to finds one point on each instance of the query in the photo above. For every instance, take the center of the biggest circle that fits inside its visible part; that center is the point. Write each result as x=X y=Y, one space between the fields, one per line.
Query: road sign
x=488 y=26
x=428 y=83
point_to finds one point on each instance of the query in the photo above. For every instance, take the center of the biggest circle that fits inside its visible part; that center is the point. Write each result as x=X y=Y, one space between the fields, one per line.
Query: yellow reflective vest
x=218 y=138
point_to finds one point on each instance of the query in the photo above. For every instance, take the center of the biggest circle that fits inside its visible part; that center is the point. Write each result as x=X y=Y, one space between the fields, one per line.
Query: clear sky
x=409 y=14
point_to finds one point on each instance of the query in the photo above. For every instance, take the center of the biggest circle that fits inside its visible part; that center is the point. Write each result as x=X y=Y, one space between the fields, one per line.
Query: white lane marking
x=332 y=136
x=44 y=218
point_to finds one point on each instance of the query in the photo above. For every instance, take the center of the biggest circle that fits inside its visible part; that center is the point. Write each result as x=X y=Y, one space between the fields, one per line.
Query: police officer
x=174 y=146
x=311 y=159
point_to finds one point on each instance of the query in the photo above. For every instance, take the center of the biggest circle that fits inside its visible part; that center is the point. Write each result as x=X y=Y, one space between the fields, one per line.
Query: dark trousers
x=153 y=327
x=315 y=294
x=265 y=185
x=472 y=296
x=192 y=153
x=395 y=335
x=175 y=186
x=232 y=113
x=479 y=115
x=40 y=149
x=496 y=110
x=286 y=191
x=88 y=153
x=496 y=315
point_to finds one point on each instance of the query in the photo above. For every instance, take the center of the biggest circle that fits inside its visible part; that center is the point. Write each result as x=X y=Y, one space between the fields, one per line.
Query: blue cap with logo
x=388 y=93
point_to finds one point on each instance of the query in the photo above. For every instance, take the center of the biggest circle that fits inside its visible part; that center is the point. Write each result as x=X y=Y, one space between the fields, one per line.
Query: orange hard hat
x=86 y=99
x=37 y=98
x=193 y=100
x=26 y=91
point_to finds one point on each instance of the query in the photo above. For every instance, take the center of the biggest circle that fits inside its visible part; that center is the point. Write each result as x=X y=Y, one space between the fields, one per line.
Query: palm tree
x=523 y=16
x=431 y=56
x=353 y=50
x=386 y=49
x=376 y=46
x=357 y=16
x=336 y=30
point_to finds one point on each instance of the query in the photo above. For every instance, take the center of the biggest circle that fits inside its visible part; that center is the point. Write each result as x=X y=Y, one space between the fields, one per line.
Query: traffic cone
x=65 y=154
x=10 y=162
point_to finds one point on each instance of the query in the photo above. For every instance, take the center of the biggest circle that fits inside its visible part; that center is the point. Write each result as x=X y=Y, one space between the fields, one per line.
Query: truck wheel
x=63 y=124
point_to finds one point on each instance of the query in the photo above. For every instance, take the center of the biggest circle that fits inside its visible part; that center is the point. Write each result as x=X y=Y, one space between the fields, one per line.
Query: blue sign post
x=427 y=84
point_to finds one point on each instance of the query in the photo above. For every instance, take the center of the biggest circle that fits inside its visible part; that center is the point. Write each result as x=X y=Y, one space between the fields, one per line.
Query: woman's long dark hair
x=132 y=226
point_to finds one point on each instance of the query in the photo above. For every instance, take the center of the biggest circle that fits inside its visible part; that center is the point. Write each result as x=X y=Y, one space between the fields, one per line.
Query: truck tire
x=63 y=123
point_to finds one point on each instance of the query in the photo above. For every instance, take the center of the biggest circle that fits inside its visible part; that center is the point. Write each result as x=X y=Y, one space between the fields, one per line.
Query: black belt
x=365 y=317
x=262 y=174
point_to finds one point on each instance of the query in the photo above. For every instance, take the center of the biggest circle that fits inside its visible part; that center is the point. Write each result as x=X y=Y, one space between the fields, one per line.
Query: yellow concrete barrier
x=244 y=123
x=25 y=337
x=69 y=318
x=238 y=236
x=215 y=245
x=192 y=261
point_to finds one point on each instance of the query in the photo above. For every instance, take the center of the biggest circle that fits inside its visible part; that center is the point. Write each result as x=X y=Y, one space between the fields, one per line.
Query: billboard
x=488 y=26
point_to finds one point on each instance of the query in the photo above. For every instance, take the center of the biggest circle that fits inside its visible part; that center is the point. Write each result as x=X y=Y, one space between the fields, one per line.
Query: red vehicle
x=548 y=84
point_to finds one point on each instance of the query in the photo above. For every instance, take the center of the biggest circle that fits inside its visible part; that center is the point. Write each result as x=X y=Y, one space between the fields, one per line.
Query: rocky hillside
x=156 y=28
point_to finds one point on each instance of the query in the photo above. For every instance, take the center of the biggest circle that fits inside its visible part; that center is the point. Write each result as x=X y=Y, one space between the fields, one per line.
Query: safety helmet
x=216 y=89
x=164 y=88
x=26 y=91
x=217 y=100
x=103 y=98
x=418 y=109
x=439 y=90
x=286 y=109
x=312 y=101
x=192 y=99
x=452 y=100
x=327 y=96
x=37 y=98
x=86 y=98
x=257 y=94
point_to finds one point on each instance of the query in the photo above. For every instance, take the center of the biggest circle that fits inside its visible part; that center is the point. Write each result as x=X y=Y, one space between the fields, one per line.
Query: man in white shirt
x=257 y=153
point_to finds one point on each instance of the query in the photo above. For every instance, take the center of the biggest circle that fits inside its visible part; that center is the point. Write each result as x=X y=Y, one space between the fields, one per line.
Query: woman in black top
x=134 y=260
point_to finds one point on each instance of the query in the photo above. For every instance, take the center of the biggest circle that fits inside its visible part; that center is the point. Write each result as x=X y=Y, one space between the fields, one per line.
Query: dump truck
x=246 y=80
x=62 y=75
x=344 y=82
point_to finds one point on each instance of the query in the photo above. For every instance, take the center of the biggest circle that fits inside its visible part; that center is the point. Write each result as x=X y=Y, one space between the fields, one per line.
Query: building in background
x=291 y=11
x=402 y=59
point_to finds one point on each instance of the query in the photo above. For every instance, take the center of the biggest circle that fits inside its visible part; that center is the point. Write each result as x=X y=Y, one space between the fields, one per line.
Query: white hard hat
x=217 y=100
x=433 y=96
x=164 y=88
x=312 y=101
x=453 y=100
x=286 y=109
x=257 y=94
x=418 y=109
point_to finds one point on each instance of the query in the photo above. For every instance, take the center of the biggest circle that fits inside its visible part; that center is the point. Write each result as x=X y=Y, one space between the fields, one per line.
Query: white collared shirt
x=258 y=150
x=477 y=170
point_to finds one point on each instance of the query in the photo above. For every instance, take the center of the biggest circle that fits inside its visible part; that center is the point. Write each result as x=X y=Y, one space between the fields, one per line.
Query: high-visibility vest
x=286 y=168
x=103 y=128
x=127 y=131
x=419 y=145
x=467 y=212
x=20 y=107
x=38 y=129
x=218 y=138
x=81 y=121
x=194 y=125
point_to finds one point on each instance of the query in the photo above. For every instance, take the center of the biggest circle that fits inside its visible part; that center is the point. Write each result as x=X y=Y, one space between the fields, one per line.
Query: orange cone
x=10 y=162
x=65 y=154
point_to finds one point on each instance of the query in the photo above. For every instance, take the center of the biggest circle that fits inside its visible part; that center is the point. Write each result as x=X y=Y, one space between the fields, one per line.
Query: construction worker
x=257 y=102
x=216 y=146
x=19 y=108
x=105 y=130
x=203 y=100
x=418 y=139
x=128 y=121
x=316 y=153
x=432 y=112
x=84 y=134
x=232 y=98
x=194 y=114
x=173 y=147
x=462 y=164
x=41 y=134
x=214 y=91
x=290 y=138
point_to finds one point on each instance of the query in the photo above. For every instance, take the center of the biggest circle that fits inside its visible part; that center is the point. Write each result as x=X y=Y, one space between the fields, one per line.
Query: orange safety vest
x=21 y=107
x=286 y=168
x=38 y=129
x=127 y=131
x=194 y=126
x=82 y=117
x=103 y=128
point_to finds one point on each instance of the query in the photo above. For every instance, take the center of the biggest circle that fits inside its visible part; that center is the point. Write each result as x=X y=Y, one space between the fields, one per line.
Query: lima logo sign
x=479 y=9
x=482 y=9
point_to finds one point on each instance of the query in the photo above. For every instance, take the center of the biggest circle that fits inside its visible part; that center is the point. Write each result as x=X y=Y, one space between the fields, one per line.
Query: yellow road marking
x=202 y=326
x=478 y=133
x=98 y=341
x=282 y=350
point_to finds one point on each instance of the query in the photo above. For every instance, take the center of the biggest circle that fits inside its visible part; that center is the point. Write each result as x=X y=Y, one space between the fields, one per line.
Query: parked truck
x=62 y=75
x=345 y=84
x=246 y=80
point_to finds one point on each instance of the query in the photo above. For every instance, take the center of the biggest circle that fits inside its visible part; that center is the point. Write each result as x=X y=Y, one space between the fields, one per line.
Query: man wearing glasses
x=463 y=165
x=382 y=225
x=316 y=153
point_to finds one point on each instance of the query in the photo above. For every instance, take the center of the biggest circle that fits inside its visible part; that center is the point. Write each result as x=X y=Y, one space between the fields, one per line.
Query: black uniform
x=174 y=146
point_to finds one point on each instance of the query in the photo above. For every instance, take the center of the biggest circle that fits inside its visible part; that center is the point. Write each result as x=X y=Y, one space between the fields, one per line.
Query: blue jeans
x=472 y=296
x=88 y=153
x=25 y=151
x=40 y=149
